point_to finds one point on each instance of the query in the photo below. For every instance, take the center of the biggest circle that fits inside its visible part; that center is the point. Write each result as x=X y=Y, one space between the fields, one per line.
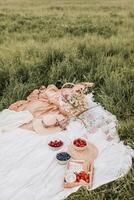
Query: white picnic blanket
x=28 y=168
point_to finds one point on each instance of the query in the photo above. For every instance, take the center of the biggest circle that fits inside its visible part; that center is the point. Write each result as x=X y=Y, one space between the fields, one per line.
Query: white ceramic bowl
x=62 y=162
x=55 y=148
x=70 y=177
x=80 y=148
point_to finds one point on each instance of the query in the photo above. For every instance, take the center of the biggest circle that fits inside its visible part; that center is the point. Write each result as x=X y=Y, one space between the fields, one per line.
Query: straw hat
x=89 y=154
x=39 y=128
x=47 y=124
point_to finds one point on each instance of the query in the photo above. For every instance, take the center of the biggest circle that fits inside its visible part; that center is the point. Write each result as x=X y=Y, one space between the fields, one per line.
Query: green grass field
x=50 y=41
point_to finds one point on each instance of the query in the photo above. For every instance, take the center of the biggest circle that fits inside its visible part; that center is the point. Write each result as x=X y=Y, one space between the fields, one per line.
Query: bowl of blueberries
x=63 y=157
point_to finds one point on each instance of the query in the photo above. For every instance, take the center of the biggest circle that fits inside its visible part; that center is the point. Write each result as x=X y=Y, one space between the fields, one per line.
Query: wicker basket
x=76 y=104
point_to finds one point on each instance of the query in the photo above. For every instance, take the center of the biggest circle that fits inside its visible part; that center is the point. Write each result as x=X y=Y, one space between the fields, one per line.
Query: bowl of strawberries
x=80 y=144
x=55 y=144
x=83 y=176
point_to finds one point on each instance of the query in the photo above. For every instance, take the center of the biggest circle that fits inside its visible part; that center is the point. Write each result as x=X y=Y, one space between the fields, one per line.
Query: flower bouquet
x=73 y=98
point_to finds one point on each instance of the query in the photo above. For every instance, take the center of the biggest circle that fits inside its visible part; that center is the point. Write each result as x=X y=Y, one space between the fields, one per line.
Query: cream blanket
x=28 y=168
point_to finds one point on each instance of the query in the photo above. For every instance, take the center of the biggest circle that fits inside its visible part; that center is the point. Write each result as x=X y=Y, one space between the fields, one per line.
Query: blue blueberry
x=63 y=156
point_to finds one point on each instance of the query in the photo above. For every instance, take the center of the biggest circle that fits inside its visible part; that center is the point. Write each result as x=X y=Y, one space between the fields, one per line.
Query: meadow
x=58 y=41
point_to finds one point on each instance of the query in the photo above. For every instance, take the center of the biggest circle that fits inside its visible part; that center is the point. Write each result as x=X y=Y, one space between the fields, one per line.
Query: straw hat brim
x=39 y=128
x=89 y=154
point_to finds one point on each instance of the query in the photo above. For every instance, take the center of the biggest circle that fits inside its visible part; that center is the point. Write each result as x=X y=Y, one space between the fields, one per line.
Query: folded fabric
x=10 y=119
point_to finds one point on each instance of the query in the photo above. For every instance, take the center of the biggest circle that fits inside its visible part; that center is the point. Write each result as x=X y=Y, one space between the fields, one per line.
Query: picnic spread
x=56 y=141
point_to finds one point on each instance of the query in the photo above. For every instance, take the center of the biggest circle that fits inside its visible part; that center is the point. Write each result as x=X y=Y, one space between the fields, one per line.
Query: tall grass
x=43 y=42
